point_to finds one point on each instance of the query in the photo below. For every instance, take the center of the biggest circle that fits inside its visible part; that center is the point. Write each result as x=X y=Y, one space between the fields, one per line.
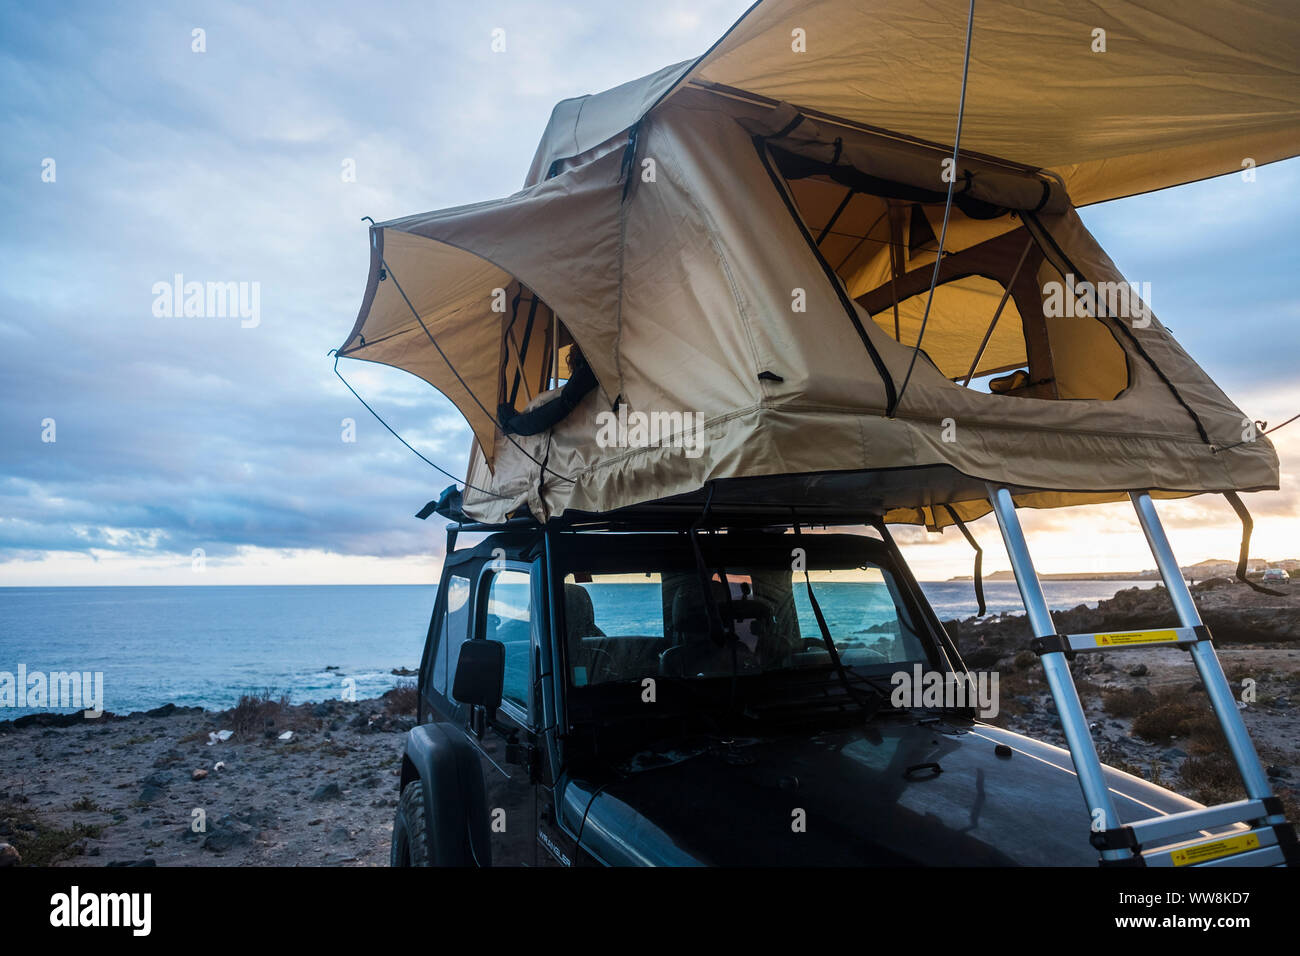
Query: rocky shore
x=271 y=784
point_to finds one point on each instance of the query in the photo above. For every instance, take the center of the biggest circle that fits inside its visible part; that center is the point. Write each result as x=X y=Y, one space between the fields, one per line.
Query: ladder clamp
x=1071 y=644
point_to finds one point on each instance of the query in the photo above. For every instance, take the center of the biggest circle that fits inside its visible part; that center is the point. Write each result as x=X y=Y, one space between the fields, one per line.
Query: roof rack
x=673 y=517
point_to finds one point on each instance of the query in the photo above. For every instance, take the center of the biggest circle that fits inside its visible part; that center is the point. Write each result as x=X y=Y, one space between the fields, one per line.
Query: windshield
x=628 y=626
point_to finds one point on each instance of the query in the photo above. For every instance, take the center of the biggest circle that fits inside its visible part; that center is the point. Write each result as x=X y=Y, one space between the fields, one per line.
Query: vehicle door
x=507 y=744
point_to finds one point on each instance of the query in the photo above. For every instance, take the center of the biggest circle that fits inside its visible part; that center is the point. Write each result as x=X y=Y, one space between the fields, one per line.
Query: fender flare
x=455 y=804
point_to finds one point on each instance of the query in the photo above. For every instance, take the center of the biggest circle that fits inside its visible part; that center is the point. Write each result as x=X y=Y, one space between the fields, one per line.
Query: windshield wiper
x=827 y=639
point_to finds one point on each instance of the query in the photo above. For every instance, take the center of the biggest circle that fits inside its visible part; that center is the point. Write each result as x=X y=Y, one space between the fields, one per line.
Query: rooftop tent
x=749 y=240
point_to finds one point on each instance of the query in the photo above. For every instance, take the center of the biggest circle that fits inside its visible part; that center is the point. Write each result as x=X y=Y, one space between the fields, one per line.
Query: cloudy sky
x=175 y=434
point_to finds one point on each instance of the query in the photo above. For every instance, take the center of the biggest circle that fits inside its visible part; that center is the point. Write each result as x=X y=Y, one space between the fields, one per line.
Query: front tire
x=410 y=839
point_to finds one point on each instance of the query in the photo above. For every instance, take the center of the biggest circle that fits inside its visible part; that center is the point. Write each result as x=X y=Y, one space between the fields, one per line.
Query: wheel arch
x=455 y=805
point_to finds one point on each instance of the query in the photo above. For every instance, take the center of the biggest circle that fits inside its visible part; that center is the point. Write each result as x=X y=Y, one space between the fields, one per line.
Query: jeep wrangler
x=641 y=693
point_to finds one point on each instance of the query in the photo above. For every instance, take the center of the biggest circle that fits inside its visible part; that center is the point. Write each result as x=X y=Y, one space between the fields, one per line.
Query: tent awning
x=1170 y=93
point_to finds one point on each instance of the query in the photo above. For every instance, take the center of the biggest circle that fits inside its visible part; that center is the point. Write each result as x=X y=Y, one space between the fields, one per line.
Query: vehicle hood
x=852 y=797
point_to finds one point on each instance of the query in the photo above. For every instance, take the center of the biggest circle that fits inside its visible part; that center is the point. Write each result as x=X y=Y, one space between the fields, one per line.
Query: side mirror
x=480 y=672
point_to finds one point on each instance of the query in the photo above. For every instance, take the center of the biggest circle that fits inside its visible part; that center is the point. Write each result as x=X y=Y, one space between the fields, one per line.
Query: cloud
x=175 y=434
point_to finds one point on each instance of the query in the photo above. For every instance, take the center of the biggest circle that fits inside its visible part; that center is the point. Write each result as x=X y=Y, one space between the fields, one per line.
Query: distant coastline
x=1201 y=571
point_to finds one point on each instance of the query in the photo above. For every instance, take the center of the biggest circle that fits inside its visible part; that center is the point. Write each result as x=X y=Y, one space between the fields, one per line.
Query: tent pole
x=997 y=314
x=555 y=348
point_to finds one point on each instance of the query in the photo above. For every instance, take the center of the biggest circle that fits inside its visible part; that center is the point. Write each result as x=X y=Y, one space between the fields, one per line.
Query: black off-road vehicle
x=641 y=691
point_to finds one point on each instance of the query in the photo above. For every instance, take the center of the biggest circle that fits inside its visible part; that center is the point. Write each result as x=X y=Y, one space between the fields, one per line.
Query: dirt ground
x=122 y=792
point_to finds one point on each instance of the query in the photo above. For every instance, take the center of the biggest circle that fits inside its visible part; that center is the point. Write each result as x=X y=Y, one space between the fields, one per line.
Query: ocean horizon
x=206 y=645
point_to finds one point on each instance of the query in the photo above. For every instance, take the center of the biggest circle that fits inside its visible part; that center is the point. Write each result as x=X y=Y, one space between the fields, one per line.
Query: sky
x=210 y=450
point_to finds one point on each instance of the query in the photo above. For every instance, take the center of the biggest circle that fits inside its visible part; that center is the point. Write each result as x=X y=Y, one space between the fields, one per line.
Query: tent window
x=883 y=249
x=530 y=362
x=958 y=355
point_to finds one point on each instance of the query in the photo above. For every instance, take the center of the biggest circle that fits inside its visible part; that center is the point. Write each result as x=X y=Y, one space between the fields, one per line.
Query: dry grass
x=1026 y=660
x=1127 y=703
x=402 y=699
x=1171 y=712
x=1177 y=716
x=255 y=714
x=42 y=845
x=1212 y=778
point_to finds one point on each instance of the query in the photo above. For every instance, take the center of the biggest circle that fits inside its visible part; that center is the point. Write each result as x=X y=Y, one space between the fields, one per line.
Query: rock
x=259 y=818
x=168 y=758
x=166 y=710
x=1139 y=671
x=982 y=657
x=160 y=780
x=339 y=835
x=227 y=834
x=133 y=863
x=326 y=791
x=198 y=774
x=403 y=672
x=9 y=856
x=151 y=794
x=1275 y=771
x=1212 y=584
x=323 y=709
x=1174 y=753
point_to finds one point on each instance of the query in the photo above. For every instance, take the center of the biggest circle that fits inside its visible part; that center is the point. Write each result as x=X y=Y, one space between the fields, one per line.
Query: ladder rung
x=1247 y=848
x=1189 y=821
x=1120 y=640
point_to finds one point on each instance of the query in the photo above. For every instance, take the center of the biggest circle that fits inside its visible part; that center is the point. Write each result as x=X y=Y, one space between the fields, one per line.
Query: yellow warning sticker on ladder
x=1204 y=852
x=1136 y=637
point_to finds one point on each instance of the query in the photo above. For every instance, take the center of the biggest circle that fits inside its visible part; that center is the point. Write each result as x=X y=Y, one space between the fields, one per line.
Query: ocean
x=206 y=646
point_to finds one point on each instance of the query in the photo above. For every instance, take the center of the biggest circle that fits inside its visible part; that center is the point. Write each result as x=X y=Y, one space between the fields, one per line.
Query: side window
x=507 y=617
x=455 y=628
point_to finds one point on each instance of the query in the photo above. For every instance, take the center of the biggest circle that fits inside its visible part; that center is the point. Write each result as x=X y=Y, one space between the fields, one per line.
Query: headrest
x=579 y=615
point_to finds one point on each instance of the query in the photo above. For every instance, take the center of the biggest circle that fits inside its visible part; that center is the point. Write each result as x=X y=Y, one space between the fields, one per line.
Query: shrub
x=255 y=713
x=402 y=699
x=1128 y=703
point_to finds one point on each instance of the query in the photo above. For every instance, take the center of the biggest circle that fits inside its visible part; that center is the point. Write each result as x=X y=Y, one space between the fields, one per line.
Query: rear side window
x=454 y=630
x=508 y=615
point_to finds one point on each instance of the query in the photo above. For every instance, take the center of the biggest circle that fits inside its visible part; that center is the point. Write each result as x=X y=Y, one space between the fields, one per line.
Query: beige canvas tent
x=742 y=247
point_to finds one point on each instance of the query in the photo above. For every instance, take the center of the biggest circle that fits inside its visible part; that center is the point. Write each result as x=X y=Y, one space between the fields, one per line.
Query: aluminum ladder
x=1250 y=832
